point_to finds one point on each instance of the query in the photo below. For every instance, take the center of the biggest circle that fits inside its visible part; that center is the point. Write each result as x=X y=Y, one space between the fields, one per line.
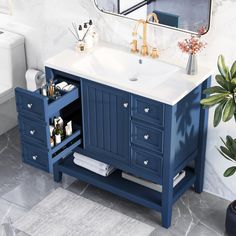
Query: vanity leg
x=57 y=175
x=167 y=199
x=200 y=159
x=166 y=215
x=168 y=167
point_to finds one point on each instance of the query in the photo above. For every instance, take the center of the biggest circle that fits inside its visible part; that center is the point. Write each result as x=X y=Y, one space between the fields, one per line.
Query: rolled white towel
x=61 y=85
x=90 y=161
x=69 y=87
x=87 y=166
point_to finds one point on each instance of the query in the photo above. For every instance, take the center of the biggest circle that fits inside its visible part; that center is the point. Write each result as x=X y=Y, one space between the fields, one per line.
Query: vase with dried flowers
x=192 y=46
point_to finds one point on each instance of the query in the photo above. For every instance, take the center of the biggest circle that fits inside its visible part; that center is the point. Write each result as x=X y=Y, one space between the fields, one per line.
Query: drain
x=133 y=79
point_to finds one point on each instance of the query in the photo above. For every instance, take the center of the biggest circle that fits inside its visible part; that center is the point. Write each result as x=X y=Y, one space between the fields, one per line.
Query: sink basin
x=121 y=67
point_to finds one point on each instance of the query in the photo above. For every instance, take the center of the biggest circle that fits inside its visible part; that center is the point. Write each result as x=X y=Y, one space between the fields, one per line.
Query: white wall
x=44 y=24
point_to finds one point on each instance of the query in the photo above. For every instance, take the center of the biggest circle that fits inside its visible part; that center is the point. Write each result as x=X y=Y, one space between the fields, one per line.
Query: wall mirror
x=185 y=15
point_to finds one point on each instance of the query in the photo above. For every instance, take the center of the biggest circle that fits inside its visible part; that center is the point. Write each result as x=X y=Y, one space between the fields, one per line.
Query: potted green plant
x=223 y=98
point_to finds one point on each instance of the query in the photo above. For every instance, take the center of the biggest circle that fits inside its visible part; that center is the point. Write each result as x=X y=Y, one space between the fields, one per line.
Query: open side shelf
x=75 y=134
x=120 y=186
x=67 y=149
x=33 y=104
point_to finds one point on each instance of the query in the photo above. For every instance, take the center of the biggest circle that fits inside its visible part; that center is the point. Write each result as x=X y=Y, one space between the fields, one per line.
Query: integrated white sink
x=122 y=67
x=164 y=81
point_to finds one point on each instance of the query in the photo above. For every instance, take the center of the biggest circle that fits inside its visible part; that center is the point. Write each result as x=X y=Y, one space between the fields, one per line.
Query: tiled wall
x=44 y=24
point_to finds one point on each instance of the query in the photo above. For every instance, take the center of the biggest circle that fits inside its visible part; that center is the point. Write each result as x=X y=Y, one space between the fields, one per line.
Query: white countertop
x=170 y=90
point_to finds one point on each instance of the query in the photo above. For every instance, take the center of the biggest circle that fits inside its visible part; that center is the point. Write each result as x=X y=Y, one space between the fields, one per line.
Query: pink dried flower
x=202 y=30
x=192 y=45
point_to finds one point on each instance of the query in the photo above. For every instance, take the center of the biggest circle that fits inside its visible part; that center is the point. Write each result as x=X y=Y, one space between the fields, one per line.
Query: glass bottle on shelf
x=44 y=90
x=52 y=142
x=58 y=120
x=51 y=89
x=59 y=133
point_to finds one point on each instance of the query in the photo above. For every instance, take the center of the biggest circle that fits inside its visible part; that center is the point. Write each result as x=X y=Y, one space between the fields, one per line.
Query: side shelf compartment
x=37 y=112
x=66 y=146
x=33 y=104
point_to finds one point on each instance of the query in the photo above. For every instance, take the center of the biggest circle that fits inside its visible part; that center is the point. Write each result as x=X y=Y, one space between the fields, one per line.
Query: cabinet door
x=106 y=113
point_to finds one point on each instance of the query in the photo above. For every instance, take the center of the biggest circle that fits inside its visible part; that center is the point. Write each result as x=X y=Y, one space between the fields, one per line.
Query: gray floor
x=22 y=186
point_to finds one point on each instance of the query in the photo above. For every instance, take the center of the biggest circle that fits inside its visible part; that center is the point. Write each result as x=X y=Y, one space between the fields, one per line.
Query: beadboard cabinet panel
x=106 y=118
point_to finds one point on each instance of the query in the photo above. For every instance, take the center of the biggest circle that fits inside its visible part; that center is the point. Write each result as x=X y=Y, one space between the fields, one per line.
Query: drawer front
x=30 y=103
x=148 y=110
x=33 y=131
x=146 y=163
x=147 y=137
x=35 y=156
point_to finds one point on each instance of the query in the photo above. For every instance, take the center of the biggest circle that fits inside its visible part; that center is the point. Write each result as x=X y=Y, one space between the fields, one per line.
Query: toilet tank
x=12 y=59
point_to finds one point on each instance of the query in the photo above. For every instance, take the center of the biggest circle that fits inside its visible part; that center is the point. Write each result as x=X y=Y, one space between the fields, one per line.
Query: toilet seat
x=6 y=93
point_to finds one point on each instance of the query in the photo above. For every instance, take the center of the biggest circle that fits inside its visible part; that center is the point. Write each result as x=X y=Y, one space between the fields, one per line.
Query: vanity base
x=124 y=188
x=144 y=137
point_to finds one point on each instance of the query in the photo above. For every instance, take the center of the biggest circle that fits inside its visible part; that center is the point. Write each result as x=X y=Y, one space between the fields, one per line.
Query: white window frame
x=6 y=9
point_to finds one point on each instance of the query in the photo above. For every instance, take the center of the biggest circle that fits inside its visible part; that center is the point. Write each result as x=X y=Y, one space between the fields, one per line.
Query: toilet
x=12 y=74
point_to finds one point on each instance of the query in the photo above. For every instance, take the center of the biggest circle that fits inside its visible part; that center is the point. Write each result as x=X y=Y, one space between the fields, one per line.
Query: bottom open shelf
x=122 y=187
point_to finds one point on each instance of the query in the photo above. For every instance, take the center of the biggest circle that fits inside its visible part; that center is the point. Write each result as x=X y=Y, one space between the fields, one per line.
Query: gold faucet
x=144 y=48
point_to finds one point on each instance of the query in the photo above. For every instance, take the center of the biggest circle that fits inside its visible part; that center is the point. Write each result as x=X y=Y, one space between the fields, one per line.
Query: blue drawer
x=30 y=103
x=33 y=104
x=145 y=163
x=147 y=136
x=35 y=156
x=148 y=110
x=33 y=131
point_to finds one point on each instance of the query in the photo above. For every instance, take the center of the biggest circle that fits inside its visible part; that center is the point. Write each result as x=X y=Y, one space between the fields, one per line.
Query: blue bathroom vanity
x=129 y=128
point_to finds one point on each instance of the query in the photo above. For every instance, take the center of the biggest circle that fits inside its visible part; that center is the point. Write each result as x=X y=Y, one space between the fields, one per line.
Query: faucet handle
x=154 y=54
x=144 y=50
x=134 y=46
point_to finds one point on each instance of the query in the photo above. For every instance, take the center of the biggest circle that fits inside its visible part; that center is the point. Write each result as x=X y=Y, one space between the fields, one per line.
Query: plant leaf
x=215 y=89
x=223 y=69
x=230 y=171
x=218 y=113
x=231 y=145
x=233 y=70
x=222 y=82
x=229 y=110
x=233 y=150
x=214 y=99
x=228 y=142
x=233 y=81
x=223 y=154
x=223 y=141
x=227 y=152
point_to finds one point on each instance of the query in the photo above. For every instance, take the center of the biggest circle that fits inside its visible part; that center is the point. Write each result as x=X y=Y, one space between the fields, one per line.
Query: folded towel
x=102 y=172
x=92 y=162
